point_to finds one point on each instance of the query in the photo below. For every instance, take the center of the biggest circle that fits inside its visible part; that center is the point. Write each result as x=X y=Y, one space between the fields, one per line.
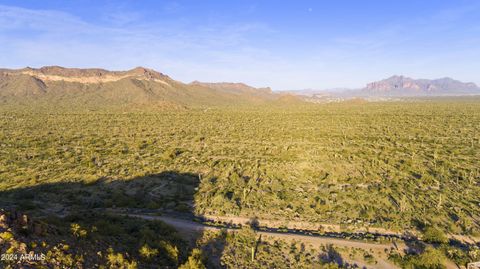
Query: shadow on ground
x=100 y=209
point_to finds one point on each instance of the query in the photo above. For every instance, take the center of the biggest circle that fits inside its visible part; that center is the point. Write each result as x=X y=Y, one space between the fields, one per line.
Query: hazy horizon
x=292 y=46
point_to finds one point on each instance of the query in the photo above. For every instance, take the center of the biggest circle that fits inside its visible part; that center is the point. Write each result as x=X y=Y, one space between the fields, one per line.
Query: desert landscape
x=239 y=134
x=161 y=171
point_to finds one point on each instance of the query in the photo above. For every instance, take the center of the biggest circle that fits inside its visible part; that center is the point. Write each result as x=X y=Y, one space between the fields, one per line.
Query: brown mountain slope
x=20 y=85
x=234 y=87
x=139 y=86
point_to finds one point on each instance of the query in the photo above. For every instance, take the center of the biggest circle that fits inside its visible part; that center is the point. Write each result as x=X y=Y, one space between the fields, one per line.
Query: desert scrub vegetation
x=114 y=242
x=397 y=165
x=245 y=248
x=89 y=240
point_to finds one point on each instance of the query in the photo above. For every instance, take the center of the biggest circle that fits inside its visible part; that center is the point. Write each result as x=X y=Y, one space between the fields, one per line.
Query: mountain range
x=405 y=86
x=55 y=85
x=136 y=87
x=398 y=86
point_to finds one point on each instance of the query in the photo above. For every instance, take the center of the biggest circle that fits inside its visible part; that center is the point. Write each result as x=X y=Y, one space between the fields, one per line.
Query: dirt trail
x=188 y=227
x=314 y=241
x=301 y=225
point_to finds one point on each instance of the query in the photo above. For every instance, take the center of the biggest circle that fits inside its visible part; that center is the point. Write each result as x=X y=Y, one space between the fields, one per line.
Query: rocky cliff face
x=89 y=75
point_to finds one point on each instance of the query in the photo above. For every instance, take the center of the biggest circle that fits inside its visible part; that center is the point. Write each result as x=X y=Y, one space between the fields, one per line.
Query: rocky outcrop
x=88 y=75
x=15 y=221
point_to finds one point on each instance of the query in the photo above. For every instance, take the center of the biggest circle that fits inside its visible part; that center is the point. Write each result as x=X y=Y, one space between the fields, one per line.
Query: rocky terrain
x=85 y=241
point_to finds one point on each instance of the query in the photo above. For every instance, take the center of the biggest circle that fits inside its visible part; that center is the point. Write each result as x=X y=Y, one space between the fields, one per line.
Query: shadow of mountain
x=164 y=191
x=113 y=209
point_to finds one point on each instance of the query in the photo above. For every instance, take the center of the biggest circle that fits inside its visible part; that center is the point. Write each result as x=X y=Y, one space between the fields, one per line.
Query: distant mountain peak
x=445 y=79
x=140 y=69
x=394 y=77
x=146 y=72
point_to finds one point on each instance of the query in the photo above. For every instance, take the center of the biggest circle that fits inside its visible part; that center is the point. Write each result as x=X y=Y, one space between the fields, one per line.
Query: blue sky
x=283 y=44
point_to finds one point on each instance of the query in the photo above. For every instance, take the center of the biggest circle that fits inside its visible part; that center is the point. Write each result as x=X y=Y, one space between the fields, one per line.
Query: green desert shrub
x=434 y=235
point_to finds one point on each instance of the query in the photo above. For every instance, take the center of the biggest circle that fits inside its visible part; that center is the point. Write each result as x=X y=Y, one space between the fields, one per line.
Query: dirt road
x=314 y=241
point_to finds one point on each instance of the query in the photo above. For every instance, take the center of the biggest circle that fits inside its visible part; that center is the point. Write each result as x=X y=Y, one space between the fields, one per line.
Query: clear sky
x=283 y=44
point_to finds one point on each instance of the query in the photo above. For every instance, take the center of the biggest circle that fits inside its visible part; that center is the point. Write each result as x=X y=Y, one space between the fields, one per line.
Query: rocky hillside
x=87 y=240
x=405 y=86
x=137 y=87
